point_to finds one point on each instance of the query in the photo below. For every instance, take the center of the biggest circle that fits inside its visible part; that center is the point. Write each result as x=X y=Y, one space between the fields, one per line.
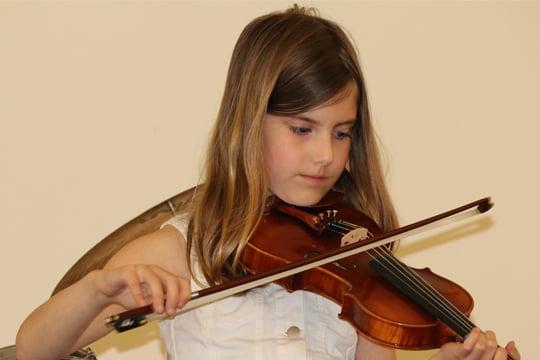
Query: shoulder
x=165 y=247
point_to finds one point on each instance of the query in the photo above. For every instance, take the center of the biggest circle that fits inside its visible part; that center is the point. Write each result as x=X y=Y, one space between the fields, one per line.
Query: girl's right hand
x=133 y=286
x=76 y=314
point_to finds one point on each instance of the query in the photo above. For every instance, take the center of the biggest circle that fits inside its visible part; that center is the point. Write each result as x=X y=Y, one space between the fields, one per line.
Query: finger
x=173 y=294
x=175 y=290
x=478 y=345
x=489 y=345
x=185 y=291
x=512 y=350
x=500 y=354
x=471 y=340
x=452 y=351
x=148 y=277
x=134 y=286
x=458 y=351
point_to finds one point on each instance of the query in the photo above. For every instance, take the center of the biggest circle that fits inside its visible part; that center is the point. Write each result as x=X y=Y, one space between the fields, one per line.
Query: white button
x=293 y=332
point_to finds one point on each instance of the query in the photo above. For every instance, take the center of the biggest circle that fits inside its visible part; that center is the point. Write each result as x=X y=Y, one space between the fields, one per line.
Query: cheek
x=278 y=148
x=272 y=157
x=277 y=160
x=342 y=155
x=283 y=160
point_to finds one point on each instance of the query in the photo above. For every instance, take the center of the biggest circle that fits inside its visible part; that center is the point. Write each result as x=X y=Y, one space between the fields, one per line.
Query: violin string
x=415 y=283
x=427 y=295
x=420 y=287
x=416 y=280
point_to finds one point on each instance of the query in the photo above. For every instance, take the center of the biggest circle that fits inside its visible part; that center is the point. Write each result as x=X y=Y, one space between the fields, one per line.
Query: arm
x=139 y=274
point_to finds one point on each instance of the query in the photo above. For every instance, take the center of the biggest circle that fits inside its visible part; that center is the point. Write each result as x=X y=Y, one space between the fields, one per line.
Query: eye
x=299 y=130
x=340 y=135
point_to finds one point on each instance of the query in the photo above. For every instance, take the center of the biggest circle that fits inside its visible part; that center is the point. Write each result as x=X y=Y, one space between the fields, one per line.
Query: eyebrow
x=310 y=120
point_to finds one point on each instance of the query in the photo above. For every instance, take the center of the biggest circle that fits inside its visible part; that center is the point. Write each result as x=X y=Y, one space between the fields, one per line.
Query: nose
x=322 y=151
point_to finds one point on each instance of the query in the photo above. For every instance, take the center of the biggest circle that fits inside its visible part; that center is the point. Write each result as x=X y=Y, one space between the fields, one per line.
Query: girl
x=294 y=123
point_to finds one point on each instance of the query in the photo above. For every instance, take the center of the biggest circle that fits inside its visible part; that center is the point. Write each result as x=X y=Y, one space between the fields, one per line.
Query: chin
x=303 y=199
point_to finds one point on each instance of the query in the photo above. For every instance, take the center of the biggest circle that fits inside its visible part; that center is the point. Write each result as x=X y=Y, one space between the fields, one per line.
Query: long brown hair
x=283 y=63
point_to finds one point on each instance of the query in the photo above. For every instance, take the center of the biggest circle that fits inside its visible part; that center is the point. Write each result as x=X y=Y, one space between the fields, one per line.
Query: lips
x=314 y=179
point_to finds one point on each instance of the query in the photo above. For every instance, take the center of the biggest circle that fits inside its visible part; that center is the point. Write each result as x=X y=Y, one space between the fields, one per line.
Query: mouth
x=314 y=179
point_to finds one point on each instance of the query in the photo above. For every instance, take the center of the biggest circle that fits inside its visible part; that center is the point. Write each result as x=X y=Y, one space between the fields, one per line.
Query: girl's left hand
x=478 y=346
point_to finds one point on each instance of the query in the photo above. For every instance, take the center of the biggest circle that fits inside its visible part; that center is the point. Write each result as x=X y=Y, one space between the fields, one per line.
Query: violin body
x=373 y=306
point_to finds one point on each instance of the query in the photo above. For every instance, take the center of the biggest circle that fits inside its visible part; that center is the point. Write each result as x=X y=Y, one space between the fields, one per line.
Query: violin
x=370 y=285
x=338 y=252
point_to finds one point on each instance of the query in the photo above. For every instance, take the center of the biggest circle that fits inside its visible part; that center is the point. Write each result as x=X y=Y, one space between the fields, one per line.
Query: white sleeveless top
x=266 y=323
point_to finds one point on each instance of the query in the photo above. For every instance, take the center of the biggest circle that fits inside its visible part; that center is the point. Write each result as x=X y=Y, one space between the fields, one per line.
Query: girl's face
x=306 y=153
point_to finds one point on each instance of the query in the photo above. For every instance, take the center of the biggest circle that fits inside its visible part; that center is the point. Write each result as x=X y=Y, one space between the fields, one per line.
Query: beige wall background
x=105 y=108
